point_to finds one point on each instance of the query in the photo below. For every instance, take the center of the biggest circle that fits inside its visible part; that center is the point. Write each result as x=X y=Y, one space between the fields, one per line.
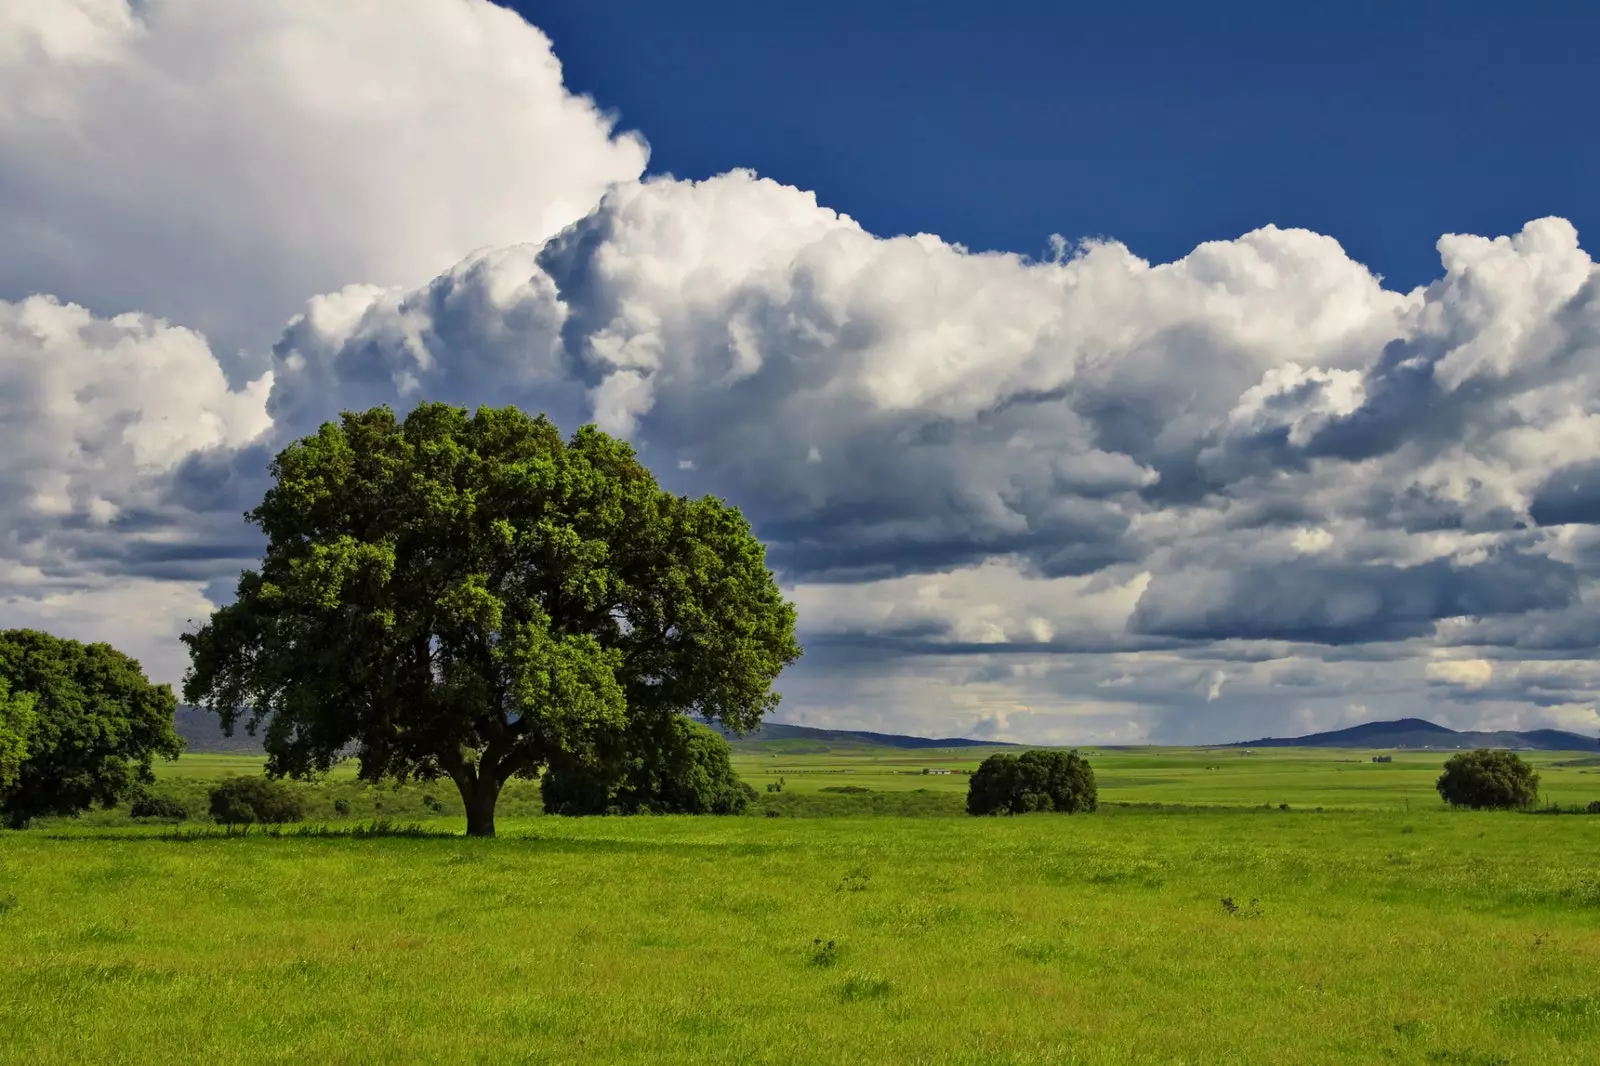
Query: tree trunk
x=480 y=798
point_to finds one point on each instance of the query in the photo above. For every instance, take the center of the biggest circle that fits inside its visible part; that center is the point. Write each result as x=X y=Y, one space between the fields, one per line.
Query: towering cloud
x=217 y=163
x=1246 y=491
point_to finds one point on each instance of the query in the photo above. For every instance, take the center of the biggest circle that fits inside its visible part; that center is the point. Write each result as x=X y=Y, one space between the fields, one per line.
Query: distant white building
x=930 y=770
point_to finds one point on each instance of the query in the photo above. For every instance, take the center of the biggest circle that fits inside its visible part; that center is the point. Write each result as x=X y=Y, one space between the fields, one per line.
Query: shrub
x=1488 y=779
x=679 y=768
x=158 y=807
x=341 y=807
x=1032 y=781
x=248 y=800
x=1594 y=806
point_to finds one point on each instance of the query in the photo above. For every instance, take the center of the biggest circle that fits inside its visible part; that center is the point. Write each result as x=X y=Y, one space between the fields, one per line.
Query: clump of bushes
x=158 y=808
x=1032 y=781
x=1485 y=779
x=255 y=800
x=680 y=767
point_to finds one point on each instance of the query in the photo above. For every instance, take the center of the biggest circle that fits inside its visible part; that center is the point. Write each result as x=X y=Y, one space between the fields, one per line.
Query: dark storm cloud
x=1347 y=604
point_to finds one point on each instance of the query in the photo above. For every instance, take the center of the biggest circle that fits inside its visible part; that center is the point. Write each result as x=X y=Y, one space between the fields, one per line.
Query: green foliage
x=253 y=800
x=1488 y=779
x=680 y=767
x=98 y=724
x=16 y=722
x=1032 y=781
x=158 y=808
x=474 y=597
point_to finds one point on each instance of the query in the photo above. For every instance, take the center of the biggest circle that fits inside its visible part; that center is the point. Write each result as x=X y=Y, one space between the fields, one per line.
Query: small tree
x=1488 y=779
x=1033 y=781
x=16 y=723
x=248 y=800
x=473 y=597
x=98 y=724
x=681 y=767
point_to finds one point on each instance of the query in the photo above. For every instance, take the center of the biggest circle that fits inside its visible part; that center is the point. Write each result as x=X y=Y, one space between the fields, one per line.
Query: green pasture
x=1310 y=777
x=1353 y=936
x=1213 y=928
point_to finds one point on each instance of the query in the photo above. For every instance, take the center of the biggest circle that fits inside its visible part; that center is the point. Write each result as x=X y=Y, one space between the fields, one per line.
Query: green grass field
x=1383 y=928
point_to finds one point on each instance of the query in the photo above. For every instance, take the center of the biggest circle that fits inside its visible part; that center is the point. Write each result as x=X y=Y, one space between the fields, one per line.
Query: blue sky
x=998 y=124
x=1302 y=430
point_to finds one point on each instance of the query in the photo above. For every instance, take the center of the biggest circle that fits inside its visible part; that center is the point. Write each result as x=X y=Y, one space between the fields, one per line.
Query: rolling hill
x=202 y=735
x=1420 y=733
x=771 y=732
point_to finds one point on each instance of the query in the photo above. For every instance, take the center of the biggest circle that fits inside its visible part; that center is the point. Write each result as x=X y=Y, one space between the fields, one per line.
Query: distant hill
x=202 y=735
x=1420 y=733
x=777 y=731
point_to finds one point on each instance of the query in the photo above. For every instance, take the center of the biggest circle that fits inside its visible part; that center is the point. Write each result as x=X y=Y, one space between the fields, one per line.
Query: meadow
x=1217 y=927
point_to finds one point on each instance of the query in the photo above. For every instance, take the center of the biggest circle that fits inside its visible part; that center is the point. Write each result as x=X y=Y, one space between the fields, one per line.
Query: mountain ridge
x=202 y=735
x=1421 y=733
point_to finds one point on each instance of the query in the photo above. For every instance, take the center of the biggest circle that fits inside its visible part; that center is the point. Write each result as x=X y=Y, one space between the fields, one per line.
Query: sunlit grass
x=1371 y=933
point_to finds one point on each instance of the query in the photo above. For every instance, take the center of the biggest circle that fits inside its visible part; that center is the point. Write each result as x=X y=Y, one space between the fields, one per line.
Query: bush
x=158 y=807
x=681 y=767
x=1485 y=779
x=1594 y=806
x=248 y=800
x=1032 y=781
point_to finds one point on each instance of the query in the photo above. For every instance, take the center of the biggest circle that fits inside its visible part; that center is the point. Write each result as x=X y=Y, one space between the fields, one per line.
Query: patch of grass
x=859 y=987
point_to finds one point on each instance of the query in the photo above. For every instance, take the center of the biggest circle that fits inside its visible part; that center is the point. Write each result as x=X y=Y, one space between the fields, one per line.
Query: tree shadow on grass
x=380 y=829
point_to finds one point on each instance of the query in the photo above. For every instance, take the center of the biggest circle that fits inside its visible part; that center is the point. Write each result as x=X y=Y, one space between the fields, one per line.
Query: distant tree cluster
x=1033 y=781
x=677 y=767
x=1485 y=779
x=80 y=726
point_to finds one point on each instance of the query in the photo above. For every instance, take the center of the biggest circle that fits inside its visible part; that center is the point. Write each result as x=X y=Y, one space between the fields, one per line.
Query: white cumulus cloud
x=1091 y=497
x=217 y=163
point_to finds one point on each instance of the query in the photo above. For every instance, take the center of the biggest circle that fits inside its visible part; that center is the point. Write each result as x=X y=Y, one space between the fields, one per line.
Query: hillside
x=1420 y=733
x=203 y=735
x=777 y=732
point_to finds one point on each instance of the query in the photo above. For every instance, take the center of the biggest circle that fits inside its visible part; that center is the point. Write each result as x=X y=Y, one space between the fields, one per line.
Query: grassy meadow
x=1213 y=928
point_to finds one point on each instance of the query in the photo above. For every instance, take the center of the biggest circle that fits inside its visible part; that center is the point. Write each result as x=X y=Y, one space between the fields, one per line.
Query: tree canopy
x=472 y=596
x=1488 y=779
x=673 y=767
x=98 y=724
x=1033 y=781
x=16 y=723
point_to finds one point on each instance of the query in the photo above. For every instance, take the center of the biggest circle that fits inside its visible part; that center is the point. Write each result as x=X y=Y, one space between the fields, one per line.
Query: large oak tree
x=473 y=596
